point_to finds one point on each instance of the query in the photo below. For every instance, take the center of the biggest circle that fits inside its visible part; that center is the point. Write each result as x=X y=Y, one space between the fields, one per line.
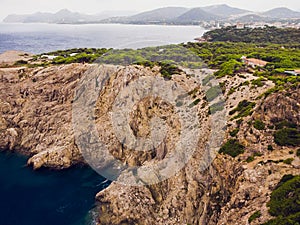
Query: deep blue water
x=45 y=197
x=40 y=38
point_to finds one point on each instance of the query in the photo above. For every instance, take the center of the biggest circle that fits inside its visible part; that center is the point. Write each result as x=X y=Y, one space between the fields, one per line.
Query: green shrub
x=168 y=69
x=279 y=204
x=194 y=103
x=289 y=220
x=239 y=122
x=254 y=216
x=270 y=148
x=21 y=63
x=285 y=202
x=283 y=124
x=258 y=82
x=228 y=68
x=288 y=161
x=244 y=109
x=259 y=125
x=231 y=91
x=250 y=159
x=287 y=137
x=298 y=152
x=234 y=132
x=233 y=148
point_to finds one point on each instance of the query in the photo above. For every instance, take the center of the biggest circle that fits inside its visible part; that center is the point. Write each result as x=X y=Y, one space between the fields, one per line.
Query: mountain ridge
x=282 y=12
x=171 y=14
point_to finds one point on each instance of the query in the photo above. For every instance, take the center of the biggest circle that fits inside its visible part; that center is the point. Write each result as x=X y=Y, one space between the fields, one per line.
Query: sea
x=48 y=197
x=40 y=38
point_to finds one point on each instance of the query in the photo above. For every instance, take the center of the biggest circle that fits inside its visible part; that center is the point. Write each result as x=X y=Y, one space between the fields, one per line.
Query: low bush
x=287 y=137
x=244 y=109
x=234 y=132
x=254 y=216
x=285 y=202
x=259 y=125
x=233 y=148
x=288 y=161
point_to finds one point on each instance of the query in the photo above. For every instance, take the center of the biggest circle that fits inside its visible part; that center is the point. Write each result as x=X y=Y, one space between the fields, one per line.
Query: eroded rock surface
x=36 y=120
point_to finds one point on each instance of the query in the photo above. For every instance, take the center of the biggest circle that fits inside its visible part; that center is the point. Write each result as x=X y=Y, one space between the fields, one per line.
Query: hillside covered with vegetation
x=257 y=35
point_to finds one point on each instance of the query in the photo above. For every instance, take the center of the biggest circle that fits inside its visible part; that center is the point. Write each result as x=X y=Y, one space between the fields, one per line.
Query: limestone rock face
x=35 y=115
x=36 y=120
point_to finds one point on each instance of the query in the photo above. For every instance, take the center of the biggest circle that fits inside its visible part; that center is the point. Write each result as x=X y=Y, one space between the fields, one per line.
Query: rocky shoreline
x=35 y=120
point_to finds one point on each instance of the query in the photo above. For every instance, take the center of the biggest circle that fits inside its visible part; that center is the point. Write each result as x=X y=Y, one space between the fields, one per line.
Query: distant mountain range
x=169 y=15
x=64 y=16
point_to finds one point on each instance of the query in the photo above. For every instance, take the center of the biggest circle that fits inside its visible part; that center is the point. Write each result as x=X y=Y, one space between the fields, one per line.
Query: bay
x=40 y=38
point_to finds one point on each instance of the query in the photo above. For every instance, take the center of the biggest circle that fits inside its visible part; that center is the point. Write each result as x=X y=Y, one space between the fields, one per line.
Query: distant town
x=218 y=24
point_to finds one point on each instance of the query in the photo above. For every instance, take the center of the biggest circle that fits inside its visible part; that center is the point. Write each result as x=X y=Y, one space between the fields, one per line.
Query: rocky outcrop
x=36 y=114
x=9 y=58
x=36 y=120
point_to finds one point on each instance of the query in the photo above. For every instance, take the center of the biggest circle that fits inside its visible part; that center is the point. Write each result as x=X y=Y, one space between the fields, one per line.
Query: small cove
x=46 y=197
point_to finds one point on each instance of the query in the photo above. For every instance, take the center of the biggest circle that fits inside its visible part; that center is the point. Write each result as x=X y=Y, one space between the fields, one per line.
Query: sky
x=97 y=6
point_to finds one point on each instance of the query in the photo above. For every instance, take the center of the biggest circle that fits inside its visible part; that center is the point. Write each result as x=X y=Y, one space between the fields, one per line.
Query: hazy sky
x=96 y=6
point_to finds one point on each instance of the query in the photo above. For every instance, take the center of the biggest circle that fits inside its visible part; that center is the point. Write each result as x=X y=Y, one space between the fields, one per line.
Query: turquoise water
x=45 y=197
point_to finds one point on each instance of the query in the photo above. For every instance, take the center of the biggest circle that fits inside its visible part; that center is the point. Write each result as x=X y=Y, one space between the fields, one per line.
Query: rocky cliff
x=36 y=120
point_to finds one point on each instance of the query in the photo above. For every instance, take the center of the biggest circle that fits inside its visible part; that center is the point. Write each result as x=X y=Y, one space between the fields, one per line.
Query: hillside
x=224 y=10
x=197 y=14
x=281 y=13
x=257 y=35
x=162 y=14
x=252 y=18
